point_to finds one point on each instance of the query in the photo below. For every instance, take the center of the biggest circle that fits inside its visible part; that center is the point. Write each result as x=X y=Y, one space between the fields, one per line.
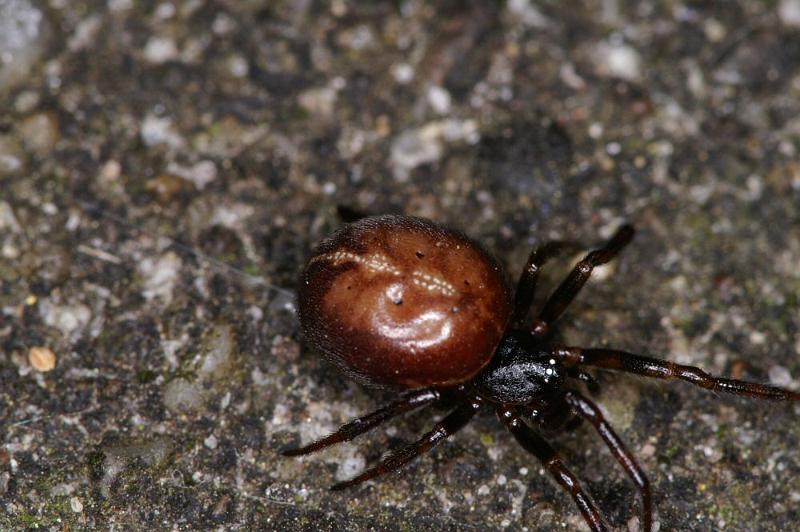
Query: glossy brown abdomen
x=401 y=302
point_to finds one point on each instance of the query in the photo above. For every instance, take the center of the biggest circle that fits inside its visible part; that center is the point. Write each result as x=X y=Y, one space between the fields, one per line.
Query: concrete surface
x=165 y=169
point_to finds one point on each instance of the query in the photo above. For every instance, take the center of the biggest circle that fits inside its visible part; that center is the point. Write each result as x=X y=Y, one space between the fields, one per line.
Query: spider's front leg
x=615 y=359
x=526 y=286
x=569 y=287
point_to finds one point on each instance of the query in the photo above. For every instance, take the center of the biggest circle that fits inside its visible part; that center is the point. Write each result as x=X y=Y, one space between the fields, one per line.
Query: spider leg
x=536 y=445
x=661 y=369
x=361 y=425
x=586 y=378
x=453 y=422
x=526 y=286
x=589 y=411
x=569 y=287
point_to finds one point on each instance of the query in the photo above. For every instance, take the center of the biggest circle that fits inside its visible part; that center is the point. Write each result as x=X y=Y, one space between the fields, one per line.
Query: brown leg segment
x=586 y=378
x=452 y=423
x=662 y=369
x=569 y=288
x=536 y=445
x=589 y=411
x=526 y=287
x=361 y=425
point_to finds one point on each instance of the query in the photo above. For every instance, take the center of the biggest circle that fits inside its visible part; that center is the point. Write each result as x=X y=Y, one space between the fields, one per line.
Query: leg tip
x=298 y=451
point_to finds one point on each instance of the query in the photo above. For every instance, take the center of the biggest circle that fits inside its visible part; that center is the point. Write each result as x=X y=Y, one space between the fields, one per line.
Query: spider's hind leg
x=350 y=430
x=452 y=423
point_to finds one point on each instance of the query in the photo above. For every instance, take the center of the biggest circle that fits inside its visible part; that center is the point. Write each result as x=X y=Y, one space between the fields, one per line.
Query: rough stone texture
x=165 y=169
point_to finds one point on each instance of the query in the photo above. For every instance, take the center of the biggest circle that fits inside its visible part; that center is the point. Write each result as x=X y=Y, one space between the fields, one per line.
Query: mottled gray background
x=165 y=169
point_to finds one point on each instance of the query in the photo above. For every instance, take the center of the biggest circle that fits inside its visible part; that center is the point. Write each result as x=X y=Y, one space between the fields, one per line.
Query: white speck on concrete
x=159 y=130
x=11 y=155
x=160 y=274
x=165 y=10
x=412 y=149
x=570 y=77
x=789 y=13
x=71 y=320
x=439 y=99
x=319 y=101
x=415 y=147
x=159 y=50
x=255 y=312
x=618 y=60
x=714 y=30
x=349 y=467
x=211 y=442
x=223 y=24
x=527 y=13
x=181 y=396
x=237 y=65
x=758 y=338
x=22 y=40
x=76 y=505
x=780 y=376
x=201 y=174
x=8 y=222
x=85 y=33
x=218 y=353
x=120 y=5
x=403 y=73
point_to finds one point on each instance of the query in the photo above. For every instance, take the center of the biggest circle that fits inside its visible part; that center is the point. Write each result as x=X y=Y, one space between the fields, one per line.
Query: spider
x=404 y=303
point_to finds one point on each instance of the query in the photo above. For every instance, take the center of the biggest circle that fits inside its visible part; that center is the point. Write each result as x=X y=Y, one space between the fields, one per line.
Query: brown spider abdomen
x=401 y=302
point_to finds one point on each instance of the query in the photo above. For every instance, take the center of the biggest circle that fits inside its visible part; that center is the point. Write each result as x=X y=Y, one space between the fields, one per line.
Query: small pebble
x=76 y=505
x=39 y=132
x=12 y=158
x=439 y=99
x=789 y=12
x=159 y=50
x=23 y=36
x=166 y=187
x=403 y=73
x=349 y=467
x=619 y=60
x=42 y=359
